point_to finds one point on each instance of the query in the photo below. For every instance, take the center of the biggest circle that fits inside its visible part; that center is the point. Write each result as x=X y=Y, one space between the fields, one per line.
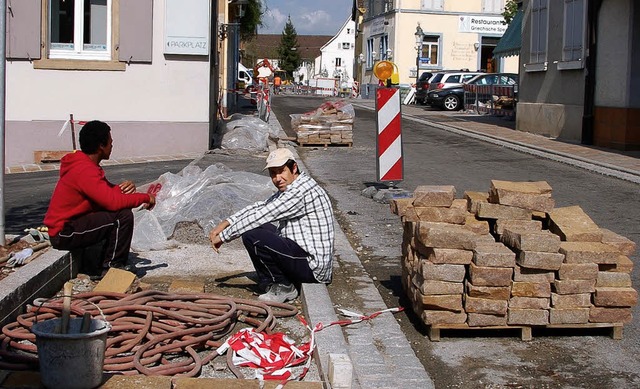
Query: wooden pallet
x=525 y=331
x=328 y=144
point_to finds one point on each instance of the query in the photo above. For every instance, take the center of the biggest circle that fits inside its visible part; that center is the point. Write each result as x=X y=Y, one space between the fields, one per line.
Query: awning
x=511 y=41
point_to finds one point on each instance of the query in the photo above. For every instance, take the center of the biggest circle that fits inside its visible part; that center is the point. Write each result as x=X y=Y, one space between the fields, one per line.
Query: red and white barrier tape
x=274 y=355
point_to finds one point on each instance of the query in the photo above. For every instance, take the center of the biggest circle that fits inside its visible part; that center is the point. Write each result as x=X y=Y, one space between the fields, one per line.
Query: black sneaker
x=122 y=266
x=279 y=293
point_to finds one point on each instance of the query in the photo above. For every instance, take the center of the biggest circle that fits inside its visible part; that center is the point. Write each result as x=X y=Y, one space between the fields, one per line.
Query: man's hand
x=152 y=203
x=214 y=235
x=127 y=187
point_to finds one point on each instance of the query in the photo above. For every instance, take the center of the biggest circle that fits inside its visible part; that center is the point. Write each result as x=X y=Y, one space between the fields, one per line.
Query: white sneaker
x=279 y=293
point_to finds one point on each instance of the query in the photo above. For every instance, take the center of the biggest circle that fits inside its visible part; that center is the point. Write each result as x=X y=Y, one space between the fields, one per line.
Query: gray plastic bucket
x=72 y=360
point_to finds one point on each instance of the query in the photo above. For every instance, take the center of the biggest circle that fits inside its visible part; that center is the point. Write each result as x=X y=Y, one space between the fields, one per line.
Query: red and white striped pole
x=389 y=166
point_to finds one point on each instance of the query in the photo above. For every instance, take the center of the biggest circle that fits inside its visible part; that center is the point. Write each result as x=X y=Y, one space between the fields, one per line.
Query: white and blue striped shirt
x=303 y=213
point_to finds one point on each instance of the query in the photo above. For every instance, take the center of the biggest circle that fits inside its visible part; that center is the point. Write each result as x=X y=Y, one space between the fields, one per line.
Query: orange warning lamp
x=385 y=70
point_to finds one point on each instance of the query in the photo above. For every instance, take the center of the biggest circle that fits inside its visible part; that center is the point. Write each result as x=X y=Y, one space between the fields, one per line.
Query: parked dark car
x=451 y=98
x=422 y=87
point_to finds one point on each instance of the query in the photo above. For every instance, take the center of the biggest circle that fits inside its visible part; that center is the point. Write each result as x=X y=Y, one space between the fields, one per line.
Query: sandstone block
x=535 y=196
x=563 y=301
x=607 y=279
x=531 y=317
x=624 y=245
x=540 y=260
x=410 y=215
x=434 y=196
x=441 y=214
x=568 y=316
x=488 y=292
x=441 y=287
x=399 y=205
x=493 y=255
x=572 y=224
x=498 y=211
x=490 y=276
x=475 y=198
x=578 y=271
x=589 y=252
x=449 y=236
x=442 y=272
x=517 y=225
x=532 y=275
x=574 y=286
x=480 y=227
x=529 y=302
x=530 y=289
x=623 y=264
x=485 y=320
x=446 y=302
x=460 y=204
x=615 y=297
x=486 y=306
x=610 y=315
x=443 y=317
x=543 y=241
x=452 y=256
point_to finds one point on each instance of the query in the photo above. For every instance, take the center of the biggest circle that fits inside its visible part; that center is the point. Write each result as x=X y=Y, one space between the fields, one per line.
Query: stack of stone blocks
x=509 y=258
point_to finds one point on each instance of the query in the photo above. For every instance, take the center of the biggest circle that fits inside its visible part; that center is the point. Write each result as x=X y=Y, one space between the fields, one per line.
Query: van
x=245 y=76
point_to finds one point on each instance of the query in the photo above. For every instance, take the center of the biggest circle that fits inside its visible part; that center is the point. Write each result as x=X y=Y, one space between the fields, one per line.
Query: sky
x=309 y=17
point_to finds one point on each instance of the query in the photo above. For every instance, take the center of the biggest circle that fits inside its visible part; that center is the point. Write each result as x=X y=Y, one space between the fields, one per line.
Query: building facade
x=337 y=55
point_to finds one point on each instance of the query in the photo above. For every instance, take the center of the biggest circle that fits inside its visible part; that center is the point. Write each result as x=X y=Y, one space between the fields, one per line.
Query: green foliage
x=251 y=20
x=288 y=53
x=510 y=9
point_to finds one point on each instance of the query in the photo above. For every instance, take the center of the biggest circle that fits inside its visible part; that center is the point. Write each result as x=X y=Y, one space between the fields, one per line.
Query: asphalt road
x=560 y=359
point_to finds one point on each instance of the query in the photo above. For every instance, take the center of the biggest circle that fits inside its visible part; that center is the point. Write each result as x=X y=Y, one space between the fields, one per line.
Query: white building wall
x=338 y=54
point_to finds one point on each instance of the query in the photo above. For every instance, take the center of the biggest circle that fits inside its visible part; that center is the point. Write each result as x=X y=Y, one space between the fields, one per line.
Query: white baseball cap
x=279 y=157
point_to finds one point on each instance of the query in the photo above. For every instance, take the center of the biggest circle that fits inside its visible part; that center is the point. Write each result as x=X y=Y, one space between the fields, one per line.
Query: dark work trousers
x=277 y=260
x=114 y=227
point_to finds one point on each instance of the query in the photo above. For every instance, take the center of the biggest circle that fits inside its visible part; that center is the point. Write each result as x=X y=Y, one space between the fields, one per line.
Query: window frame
x=569 y=62
x=81 y=63
x=370 y=46
x=492 y=6
x=433 y=5
x=429 y=45
x=539 y=44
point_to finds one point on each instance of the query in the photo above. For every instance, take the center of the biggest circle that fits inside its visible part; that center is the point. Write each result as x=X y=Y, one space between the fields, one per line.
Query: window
x=346 y=45
x=432 y=4
x=574 y=35
x=492 y=6
x=369 y=53
x=539 y=27
x=388 y=5
x=384 y=45
x=338 y=62
x=80 y=29
x=430 y=49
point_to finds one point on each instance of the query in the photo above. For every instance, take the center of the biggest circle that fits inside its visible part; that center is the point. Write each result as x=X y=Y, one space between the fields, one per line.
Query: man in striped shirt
x=289 y=236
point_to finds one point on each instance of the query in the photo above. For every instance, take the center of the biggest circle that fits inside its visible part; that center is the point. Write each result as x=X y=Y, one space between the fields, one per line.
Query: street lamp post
x=419 y=40
x=239 y=13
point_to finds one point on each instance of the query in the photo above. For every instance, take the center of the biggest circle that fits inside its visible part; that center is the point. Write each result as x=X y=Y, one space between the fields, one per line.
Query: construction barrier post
x=389 y=163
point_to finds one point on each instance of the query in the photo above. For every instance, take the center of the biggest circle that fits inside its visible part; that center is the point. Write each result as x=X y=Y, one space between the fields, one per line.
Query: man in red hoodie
x=86 y=208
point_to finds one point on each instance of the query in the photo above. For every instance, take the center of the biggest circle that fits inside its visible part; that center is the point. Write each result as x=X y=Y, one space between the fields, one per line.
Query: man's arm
x=214 y=235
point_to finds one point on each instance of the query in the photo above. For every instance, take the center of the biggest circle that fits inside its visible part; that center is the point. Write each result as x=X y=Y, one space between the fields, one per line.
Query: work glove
x=19 y=258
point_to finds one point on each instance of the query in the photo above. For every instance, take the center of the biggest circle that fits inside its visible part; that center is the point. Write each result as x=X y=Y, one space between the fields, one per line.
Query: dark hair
x=290 y=164
x=93 y=135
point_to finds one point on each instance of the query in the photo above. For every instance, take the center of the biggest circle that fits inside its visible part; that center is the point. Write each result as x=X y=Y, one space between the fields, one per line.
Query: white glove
x=17 y=259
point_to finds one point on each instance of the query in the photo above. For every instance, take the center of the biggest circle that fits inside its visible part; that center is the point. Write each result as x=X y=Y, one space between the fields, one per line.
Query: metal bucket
x=72 y=360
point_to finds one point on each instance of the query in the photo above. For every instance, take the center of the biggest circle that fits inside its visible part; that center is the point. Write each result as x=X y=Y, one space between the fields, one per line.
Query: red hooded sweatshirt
x=82 y=189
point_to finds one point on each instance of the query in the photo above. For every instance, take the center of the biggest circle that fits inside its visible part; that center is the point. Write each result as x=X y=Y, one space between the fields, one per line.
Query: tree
x=288 y=54
x=510 y=9
x=251 y=20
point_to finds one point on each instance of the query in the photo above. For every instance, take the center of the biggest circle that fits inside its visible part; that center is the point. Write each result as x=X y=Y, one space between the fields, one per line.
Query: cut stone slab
x=531 y=317
x=615 y=297
x=116 y=281
x=532 y=275
x=572 y=224
x=441 y=214
x=540 y=260
x=542 y=241
x=610 y=315
x=529 y=302
x=444 y=302
x=498 y=211
x=434 y=196
x=490 y=276
x=477 y=226
x=486 y=306
x=442 y=272
x=624 y=245
x=535 y=196
x=475 y=198
x=400 y=205
x=448 y=236
x=443 y=317
x=451 y=256
x=608 y=279
x=578 y=271
x=530 y=289
x=563 y=301
x=589 y=252
x=517 y=225
x=186 y=286
x=485 y=320
x=493 y=255
x=488 y=292
x=433 y=287
x=568 y=316
x=574 y=286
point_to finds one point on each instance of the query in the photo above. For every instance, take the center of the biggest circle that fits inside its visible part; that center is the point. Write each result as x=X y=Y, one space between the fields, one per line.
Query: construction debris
x=511 y=260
